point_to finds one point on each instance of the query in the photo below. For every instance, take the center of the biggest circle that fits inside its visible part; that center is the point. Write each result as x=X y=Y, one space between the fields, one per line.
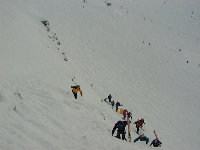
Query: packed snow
x=146 y=53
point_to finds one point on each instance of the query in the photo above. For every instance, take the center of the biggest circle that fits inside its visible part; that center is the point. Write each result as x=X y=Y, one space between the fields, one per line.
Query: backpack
x=120 y=126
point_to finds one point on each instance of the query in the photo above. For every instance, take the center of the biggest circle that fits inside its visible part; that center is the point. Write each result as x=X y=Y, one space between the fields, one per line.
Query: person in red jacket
x=139 y=124
x=124 y=114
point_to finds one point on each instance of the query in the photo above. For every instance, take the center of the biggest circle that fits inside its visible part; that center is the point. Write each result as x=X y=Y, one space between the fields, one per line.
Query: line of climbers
x=112 y=102
x=121 y=125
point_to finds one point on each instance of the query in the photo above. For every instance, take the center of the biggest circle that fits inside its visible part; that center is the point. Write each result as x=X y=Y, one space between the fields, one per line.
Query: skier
x=142 y=137
x=124 y=113
x=113 y=103
x=139 y=124
x=129 y=115
x=120 y=126
x=117 y=106
x=75 y=90
x=156 y=143
x=109 y=98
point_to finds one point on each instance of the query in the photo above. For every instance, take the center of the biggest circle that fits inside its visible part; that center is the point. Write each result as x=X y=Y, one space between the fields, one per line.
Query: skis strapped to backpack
x=129 y=129
x=155 y=134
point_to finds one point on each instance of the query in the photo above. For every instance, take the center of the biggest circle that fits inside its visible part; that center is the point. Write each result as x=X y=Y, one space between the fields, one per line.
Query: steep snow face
x=144 y=52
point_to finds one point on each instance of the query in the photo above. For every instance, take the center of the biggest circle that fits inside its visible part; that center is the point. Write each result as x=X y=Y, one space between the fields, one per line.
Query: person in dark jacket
x=113 y=103
x=142 y=137
x=109 y=98
x=129 y=115
x=117 y=106
x=120 y=126
x=156 y=143
x=139 y=124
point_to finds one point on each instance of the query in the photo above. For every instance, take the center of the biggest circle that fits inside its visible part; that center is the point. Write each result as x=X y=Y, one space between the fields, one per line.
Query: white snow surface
x=146 y=53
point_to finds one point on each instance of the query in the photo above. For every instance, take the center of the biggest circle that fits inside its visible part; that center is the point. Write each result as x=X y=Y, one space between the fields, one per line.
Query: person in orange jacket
x=75 y=90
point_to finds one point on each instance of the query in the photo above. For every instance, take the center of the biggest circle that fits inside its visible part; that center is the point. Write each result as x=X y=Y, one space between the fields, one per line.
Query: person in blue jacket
x=142 y=137
x=120 y=126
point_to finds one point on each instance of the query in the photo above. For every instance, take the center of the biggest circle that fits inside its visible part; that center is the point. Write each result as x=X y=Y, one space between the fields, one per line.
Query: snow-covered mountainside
x=146 y=53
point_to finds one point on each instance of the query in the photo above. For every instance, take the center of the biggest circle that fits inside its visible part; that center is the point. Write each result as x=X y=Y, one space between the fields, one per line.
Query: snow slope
x=144 y=52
